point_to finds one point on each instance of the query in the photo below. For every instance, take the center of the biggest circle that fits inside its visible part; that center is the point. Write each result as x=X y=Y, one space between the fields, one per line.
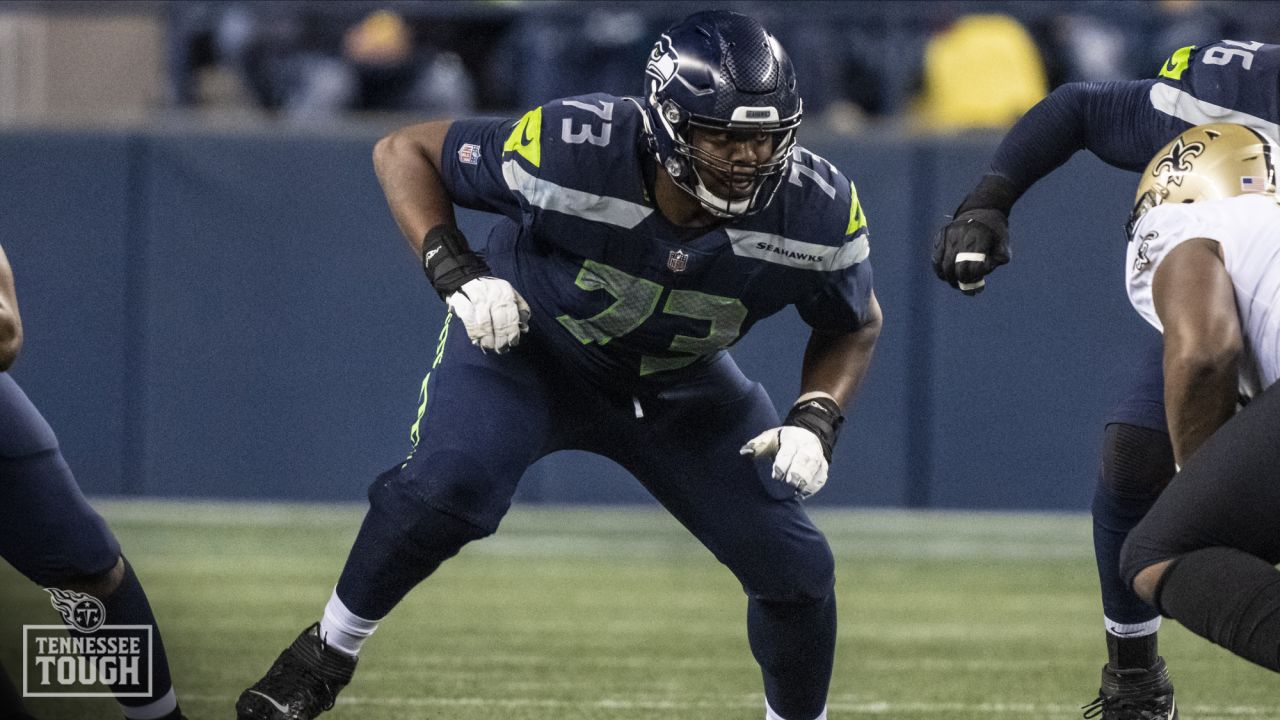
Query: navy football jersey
x=615 y=287
x=1228 y=81
x=1124 y=123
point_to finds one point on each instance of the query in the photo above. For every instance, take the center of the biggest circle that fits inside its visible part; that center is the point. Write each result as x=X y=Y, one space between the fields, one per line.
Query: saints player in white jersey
x=1203 y=267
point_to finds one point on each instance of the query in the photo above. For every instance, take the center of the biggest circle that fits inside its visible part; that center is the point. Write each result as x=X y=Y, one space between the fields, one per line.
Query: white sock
x=156 y=709
x=769 y=714
x=342 y=629
x=1131 y=630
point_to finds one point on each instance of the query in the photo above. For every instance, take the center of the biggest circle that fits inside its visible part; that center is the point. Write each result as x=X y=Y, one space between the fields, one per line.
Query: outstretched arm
x=1113 y=120
x=10 y=320
x=1196 y=304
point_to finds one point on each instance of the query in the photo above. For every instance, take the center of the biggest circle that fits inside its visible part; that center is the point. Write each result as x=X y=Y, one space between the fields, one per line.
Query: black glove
x=448 y=261
x=976 y=242
x=970 y=247
x=820 y=416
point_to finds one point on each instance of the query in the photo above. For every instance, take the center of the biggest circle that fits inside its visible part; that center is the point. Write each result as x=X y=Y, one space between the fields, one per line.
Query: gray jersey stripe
x=1185 y=106
x=550 y=196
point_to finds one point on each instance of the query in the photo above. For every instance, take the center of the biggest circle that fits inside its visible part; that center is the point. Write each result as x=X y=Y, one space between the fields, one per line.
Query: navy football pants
x=47 y=530
x=486 y=418
x=1137 y=462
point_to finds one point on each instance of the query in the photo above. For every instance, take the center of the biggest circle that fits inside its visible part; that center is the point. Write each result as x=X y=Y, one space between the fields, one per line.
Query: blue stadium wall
x=235 y=316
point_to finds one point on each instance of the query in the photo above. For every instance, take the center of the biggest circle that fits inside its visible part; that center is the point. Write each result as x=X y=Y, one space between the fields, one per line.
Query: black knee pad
x=1137 y=462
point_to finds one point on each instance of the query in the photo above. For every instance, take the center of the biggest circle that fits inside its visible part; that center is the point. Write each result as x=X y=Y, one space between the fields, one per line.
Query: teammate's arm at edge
x=10 y=320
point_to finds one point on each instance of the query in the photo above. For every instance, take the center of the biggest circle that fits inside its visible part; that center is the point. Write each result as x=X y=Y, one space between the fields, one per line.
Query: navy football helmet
x=721 y=72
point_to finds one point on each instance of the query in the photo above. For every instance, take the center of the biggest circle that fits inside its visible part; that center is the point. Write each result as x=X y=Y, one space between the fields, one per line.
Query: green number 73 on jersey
x=636 y=299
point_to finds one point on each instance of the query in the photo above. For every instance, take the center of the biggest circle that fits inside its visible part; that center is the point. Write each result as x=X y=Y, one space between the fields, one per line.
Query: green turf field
x=618 y=615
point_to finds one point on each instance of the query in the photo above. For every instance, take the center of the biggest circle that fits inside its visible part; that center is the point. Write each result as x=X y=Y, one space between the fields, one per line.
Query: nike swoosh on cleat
x=1173 y=710
x=282 y=708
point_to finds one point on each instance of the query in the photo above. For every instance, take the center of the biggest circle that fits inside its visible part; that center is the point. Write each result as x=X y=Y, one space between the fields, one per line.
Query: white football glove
x=493 y=312
x=801 y=446
x=797 y=457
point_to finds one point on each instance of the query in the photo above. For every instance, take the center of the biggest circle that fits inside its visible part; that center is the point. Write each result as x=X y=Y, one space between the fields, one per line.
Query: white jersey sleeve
x=1248 y=229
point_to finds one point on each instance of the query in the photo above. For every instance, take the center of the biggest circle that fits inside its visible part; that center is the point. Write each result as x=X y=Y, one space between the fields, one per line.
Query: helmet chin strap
x=719 y=206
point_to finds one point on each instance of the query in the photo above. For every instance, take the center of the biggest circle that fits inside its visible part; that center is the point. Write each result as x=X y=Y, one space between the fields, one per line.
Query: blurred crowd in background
x=938 y=66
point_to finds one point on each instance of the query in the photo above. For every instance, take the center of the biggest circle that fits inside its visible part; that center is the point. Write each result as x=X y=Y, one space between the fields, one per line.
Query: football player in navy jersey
x=642 y=237
x=51 y=535
x=1123 y=123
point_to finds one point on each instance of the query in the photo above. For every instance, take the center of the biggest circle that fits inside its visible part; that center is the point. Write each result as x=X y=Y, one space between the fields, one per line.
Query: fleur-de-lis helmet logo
x=81 y=611
x=1178 y=160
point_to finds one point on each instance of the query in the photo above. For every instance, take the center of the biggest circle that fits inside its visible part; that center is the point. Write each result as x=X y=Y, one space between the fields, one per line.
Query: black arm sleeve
x=1113 y=120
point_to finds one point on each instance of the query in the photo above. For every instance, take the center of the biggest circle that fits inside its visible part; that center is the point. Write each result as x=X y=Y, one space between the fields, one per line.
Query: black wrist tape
x=820 y=416
x=448 y=261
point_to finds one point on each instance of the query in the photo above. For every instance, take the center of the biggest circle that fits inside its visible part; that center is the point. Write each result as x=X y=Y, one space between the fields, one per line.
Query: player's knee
x=462 y=483
x=807 y=576
x=402 y=517
x=98 y=584
x=1137 y=462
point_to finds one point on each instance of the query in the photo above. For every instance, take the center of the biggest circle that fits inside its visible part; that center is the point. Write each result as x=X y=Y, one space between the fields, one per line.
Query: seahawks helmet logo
x=1178 y=160
x=664 y=63
x=81 y=611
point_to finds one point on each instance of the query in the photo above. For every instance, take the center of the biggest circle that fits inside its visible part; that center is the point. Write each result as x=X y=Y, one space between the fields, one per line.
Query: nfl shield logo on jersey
x=469 y=154
x=677 y=261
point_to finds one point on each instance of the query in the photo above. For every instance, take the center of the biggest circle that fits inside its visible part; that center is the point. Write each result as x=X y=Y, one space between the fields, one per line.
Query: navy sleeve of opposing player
x=1113 y=120
x=472 y=165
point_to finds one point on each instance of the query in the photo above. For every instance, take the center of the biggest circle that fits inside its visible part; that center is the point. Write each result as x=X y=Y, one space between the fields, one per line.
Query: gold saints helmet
x=1207 y=162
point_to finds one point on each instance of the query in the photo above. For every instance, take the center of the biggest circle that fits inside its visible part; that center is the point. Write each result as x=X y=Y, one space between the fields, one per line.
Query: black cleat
x=1134 y=695
x=302 y=683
